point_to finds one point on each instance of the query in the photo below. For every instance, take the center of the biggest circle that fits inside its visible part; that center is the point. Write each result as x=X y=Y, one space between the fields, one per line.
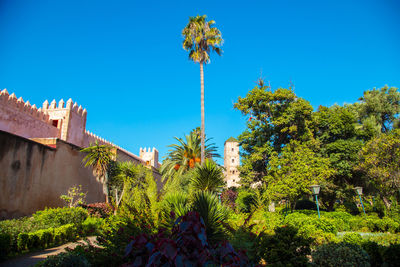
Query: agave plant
x=208 y=177
x=213 y=214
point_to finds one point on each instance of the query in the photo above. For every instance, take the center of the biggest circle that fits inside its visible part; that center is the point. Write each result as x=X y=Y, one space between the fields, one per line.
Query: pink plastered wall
x=22 y=119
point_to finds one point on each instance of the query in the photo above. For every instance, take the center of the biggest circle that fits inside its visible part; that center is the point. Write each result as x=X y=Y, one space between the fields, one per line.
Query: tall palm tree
x=200 y=38
x=99 y=158
x=185 y=155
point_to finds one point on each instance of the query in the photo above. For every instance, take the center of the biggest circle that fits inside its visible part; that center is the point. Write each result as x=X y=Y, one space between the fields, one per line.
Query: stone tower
x=150 y=157
x=231 y=162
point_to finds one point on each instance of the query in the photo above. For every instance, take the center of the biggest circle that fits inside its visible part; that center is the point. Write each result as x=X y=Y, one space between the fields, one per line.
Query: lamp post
x=359 y=192
x=315 y=190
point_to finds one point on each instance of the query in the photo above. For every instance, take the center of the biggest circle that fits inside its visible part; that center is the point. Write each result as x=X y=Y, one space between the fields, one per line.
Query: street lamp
x=359 y=190
x=315 y=190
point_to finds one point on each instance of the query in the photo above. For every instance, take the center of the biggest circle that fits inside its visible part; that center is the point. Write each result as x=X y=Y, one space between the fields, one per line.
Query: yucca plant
x=208 y=177
x=213 y=214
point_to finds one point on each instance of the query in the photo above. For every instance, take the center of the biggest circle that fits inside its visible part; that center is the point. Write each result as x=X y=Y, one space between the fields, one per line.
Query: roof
x=231 y=139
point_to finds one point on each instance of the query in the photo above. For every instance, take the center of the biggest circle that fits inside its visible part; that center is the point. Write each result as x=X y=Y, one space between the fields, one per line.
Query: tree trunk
x=202 y=112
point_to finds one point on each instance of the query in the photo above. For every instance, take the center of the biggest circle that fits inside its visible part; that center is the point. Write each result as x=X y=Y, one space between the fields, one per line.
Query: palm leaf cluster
x=200 y=38
x=208 y=177
x=205 y=203
x=185 y=155
x=99 y=158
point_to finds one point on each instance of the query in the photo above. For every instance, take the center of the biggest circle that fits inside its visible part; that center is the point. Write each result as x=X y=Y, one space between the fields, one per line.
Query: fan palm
x=174 y=205
x=200 y=38
x=208 y=177
x=185 y=155
x=99 y=158
x=213 y=214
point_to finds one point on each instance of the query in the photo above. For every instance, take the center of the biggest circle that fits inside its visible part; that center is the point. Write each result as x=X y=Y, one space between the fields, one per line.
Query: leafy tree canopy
x=275 y=118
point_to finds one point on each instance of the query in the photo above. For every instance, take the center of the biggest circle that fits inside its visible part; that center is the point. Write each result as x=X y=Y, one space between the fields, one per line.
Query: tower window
x=233 y=160
x=233 y=149
x=55 y=123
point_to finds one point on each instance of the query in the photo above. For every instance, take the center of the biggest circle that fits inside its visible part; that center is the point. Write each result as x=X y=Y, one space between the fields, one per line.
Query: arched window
x=233 y=160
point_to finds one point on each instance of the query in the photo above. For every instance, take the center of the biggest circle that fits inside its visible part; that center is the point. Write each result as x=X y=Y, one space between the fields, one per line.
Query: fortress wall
x=22 y=119
x=33 y=176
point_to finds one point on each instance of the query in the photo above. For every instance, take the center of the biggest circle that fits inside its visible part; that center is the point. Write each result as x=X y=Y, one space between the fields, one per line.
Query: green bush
x=317 y=236
x=65 y=259
x=22 y=241
x=284 y=248
x=306 y=204
x=391 y=255
x=297 y=220
x=245 y=201
x=353 y=238
x=5 y=245
x=374 y=251
x=91 y=226
x=342 y=254
x=60 y=216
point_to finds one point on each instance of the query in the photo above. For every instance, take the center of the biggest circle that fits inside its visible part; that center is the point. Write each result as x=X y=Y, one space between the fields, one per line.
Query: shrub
x=60 y=216
x=65 y=259
x=297 y=220
x=186 y=246
x=391 y=255
x=101 y=210
x=284 y=248
x=22 y=241
x=5 y=245
x=91 y=226
x=245 y=201
x=374 y=251
x=228 y=197
x=64 y=233
x=305 y=204
x=318 y=237
x=353 y=238
x=341 y=254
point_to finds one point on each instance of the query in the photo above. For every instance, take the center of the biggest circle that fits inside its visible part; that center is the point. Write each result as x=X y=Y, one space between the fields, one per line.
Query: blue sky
x=123 y=60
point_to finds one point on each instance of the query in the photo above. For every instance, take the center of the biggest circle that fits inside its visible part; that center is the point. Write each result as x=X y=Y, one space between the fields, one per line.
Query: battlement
x=62 y=120
x=25 y=107
x=149 y=156
x=70 y=105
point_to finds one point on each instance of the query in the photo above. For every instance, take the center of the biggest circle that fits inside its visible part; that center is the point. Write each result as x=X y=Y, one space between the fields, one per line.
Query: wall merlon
x=75 y=107
x=53 y=104
x=4 y=92
x=61 y=104
x=45 y=105
x=80 y=110
x=70 y=103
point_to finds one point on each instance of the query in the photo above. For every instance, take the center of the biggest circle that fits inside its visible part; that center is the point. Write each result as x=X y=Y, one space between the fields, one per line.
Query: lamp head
x=315 y=189
x=359 y=190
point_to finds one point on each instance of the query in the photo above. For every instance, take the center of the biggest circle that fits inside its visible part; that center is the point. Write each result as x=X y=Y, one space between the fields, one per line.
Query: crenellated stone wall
x=23 y=119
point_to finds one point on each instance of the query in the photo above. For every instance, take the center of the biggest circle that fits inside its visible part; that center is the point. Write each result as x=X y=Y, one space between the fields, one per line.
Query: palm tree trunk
x=202 y=112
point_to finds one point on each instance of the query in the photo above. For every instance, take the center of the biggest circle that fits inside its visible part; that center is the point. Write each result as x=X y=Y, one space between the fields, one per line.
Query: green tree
x=379 y=160
x=208 y=177
x=123 y=175
x=200 y=38
x=292 y=171
x=337 y=130
x=379 y=109
x=185 y=155
x=99 y=157
x=274 y=119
